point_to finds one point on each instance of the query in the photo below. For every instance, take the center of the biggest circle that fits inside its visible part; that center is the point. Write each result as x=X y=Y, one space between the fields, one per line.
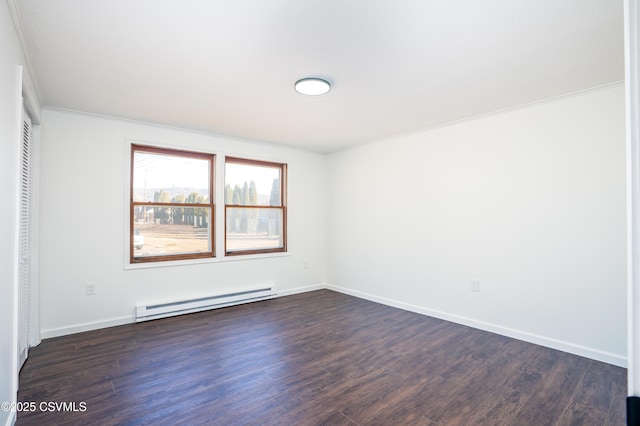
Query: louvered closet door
x=25 y=242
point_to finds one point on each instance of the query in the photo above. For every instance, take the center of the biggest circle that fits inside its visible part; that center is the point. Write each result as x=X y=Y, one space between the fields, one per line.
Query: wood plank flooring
x=318 y=358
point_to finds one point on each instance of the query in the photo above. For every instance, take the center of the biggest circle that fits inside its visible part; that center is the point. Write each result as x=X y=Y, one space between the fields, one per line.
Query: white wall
x=83 y=226
x=13 y=73
x=531 y=202
x=9 y=81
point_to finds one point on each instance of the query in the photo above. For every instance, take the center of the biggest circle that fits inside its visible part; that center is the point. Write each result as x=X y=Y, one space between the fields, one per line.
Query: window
x=255 y=207
x=172 y=205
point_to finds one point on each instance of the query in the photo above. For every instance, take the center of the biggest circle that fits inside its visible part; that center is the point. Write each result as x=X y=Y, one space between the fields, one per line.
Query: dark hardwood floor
x=319 y=358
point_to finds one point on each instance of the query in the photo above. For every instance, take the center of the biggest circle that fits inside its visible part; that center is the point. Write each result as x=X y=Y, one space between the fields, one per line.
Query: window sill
x=188 y=262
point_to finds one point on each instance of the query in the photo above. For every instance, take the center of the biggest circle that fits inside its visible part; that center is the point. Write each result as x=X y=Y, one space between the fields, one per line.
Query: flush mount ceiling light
x=312 y=86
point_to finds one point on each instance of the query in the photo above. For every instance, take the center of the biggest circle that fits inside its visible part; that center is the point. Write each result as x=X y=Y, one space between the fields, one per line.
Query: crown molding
x=30 y=90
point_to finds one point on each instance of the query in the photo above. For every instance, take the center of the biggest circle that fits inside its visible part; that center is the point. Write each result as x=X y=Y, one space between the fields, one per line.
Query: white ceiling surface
x=228 y=67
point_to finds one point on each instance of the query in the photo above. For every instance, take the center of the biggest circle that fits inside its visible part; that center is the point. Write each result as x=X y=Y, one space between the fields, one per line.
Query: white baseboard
x=11 y=420
x=95 y=325
x=548 y=342
x=88 y=326
x=298 y=290
x=572 y=348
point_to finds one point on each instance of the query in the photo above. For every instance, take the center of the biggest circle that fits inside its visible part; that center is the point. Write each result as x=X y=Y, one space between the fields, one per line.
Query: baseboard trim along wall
x=11 y=420
x=571 y=348
x=301 y=290
x=79 y=328
x=493 y=328
x=96 y=325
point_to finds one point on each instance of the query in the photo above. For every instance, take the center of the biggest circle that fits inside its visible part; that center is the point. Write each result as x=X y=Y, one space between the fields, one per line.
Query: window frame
x=211 y=158
x=282 y=206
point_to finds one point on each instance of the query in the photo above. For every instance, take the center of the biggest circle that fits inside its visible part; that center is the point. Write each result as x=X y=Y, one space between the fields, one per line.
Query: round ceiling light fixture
x=312 y=86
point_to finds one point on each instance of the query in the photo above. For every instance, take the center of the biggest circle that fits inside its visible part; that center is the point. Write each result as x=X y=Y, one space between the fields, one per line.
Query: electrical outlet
x=475 y=285
x=91 y=288
x=305 y=264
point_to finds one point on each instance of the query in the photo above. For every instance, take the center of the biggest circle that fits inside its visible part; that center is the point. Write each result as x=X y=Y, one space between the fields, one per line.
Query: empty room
x=320 y=213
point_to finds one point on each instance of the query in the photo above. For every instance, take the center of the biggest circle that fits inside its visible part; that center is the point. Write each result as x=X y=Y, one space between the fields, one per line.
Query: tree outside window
x=255 y=208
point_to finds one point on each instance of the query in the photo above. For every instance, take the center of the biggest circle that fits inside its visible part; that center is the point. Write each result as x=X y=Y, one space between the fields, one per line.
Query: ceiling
x=228 y=67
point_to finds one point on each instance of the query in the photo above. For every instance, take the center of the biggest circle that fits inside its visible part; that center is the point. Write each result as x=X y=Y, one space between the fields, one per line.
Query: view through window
x=255 y=207
x=172 y=207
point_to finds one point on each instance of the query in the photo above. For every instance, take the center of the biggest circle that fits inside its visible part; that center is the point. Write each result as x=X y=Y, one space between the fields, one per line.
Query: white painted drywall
x=632 y=91
x=83 y=225
x=13 y=73
x=10 y=82
x=531 y=202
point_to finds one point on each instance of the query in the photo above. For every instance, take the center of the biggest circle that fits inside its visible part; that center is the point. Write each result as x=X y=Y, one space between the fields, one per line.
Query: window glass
x=171 y=207
x=255 y=212
x=254 y=229
x=252 y=185
x=175 y=176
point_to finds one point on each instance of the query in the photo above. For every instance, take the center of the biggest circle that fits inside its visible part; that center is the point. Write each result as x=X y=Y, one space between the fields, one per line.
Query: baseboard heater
x=162 y=310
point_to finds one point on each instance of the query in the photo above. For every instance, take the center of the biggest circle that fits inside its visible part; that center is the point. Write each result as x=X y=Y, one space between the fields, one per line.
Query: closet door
x=24 y=268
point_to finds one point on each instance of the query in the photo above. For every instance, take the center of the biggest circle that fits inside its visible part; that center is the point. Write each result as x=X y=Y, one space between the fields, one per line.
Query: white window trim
x=219 y=223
